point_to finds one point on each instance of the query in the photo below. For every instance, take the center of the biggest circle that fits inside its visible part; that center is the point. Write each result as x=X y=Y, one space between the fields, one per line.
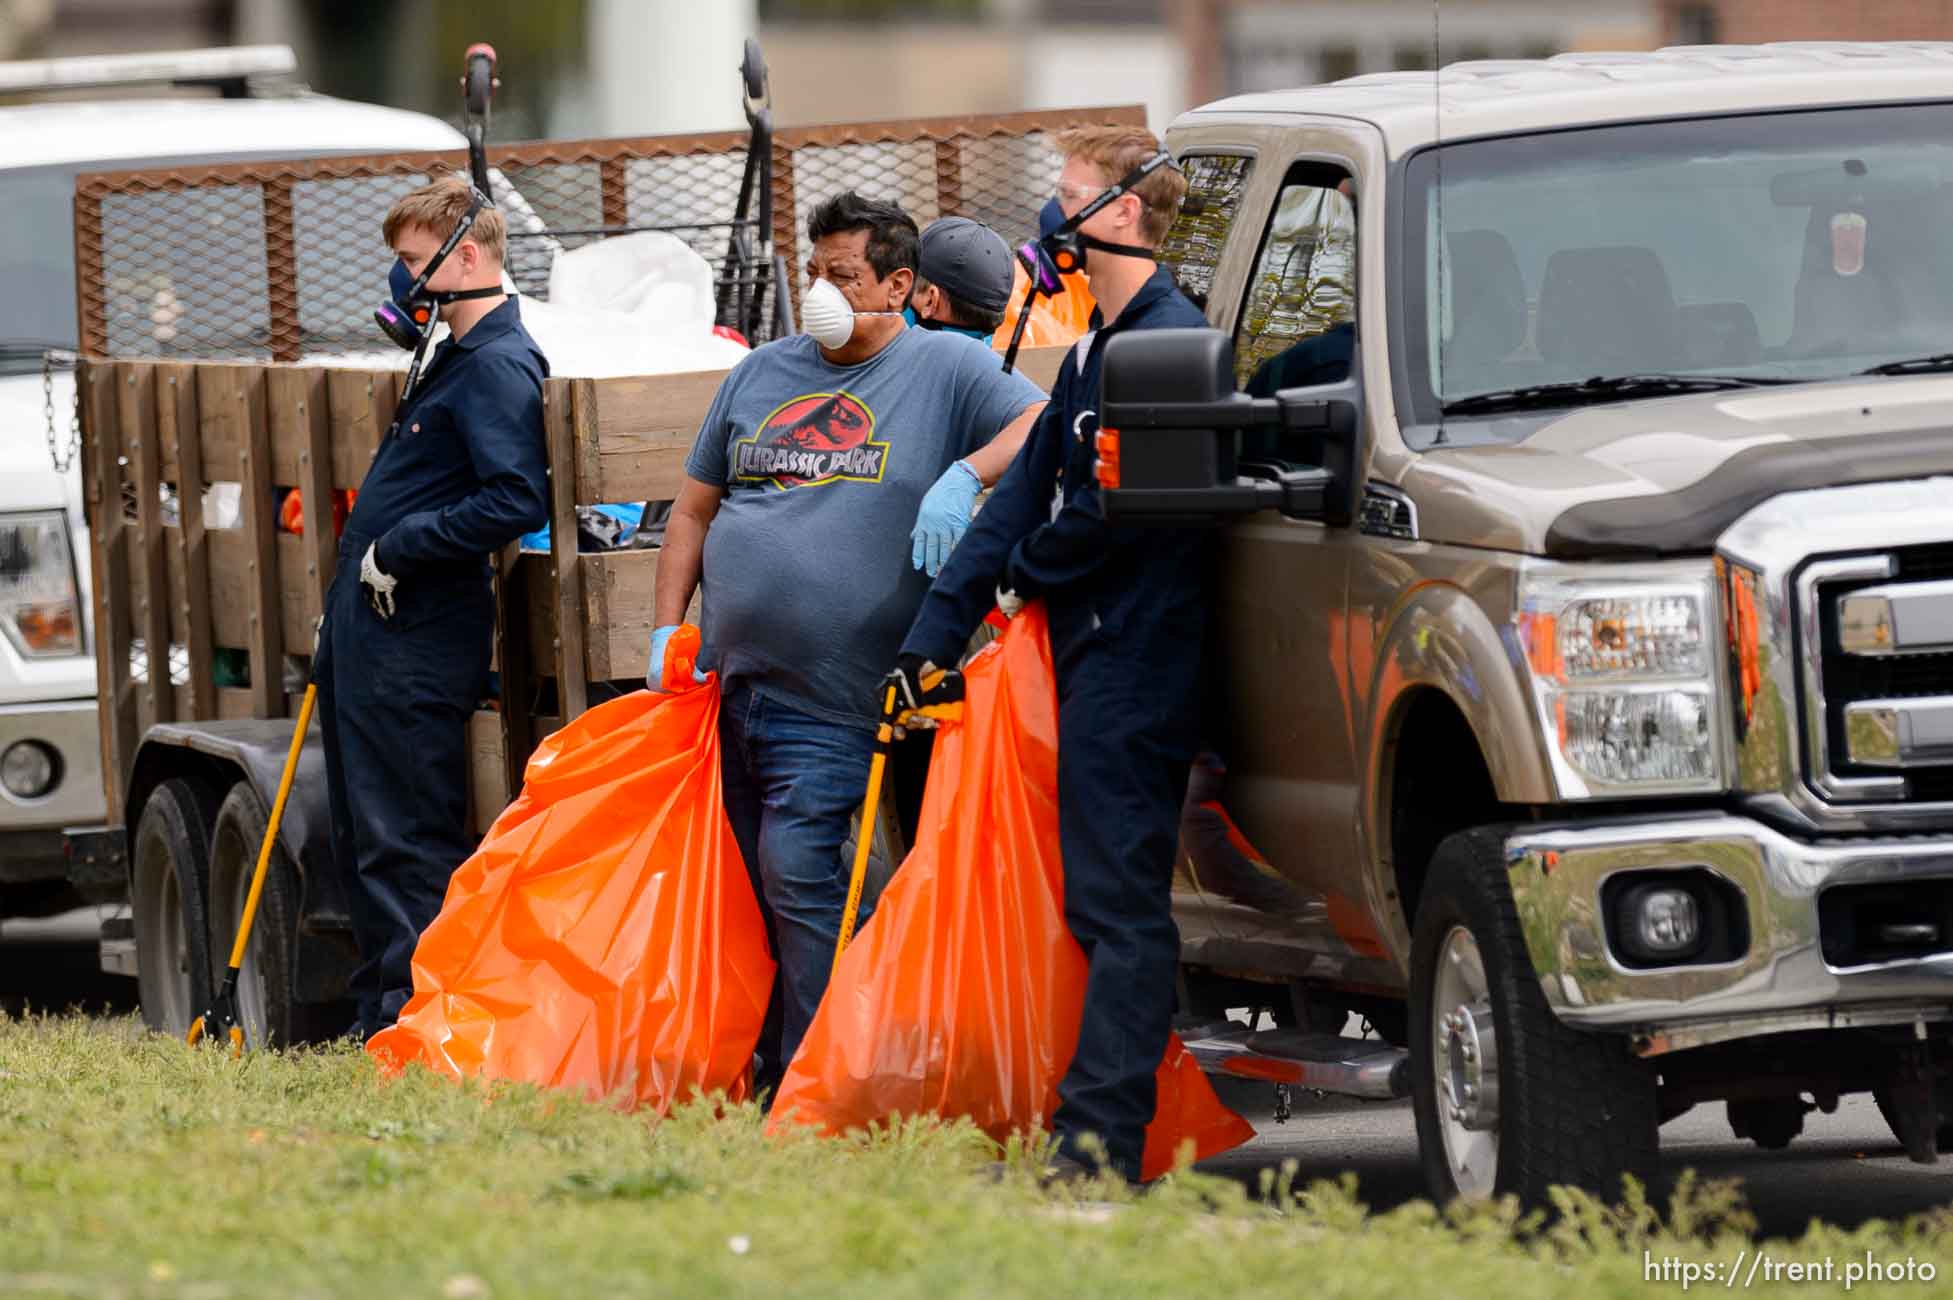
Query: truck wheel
x=1509 y=1100
x=1943 y=1135
x=169 y=867
x=265 y=1005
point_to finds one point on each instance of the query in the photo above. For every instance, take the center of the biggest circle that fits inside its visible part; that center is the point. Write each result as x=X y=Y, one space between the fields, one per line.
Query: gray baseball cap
x=968 y=261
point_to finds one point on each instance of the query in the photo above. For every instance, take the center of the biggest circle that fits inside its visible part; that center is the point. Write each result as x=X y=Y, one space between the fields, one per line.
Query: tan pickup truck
x=1585 y=604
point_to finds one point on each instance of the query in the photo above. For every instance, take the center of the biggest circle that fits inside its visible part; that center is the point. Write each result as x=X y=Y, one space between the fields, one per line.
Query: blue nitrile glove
x=654 y=672
x=944 y=515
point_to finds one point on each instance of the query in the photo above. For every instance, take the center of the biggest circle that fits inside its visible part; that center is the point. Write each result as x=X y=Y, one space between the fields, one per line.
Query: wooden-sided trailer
x=183 y=272
x=191 y=754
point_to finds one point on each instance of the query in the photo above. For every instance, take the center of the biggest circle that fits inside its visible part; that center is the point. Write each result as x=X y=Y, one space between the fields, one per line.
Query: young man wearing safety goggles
x=1126 y=612
x=832 y=469
x=402 y=656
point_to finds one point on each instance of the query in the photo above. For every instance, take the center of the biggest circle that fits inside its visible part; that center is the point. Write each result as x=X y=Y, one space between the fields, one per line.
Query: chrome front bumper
x=1782 y=982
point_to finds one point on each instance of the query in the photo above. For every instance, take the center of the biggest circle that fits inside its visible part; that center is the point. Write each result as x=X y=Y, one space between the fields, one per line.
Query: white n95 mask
x=826 y=316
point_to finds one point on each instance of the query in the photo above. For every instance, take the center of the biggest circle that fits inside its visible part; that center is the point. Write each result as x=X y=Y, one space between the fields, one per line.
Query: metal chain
x=63 y=457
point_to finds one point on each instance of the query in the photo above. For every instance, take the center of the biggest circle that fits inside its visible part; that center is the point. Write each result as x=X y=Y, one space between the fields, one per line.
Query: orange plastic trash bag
x=1055 y=321
x=962 y=995
x=605 y=936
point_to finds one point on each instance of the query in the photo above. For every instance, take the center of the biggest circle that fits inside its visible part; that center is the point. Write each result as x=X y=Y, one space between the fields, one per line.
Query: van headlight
x=1624 y=677
x=40 y=609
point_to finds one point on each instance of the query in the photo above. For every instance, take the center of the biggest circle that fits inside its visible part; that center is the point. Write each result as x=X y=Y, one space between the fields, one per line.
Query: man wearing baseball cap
x=962 y=281
x=962 y=278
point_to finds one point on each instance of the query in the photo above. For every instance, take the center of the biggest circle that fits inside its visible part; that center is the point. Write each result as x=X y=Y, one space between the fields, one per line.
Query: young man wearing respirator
x=402 y=656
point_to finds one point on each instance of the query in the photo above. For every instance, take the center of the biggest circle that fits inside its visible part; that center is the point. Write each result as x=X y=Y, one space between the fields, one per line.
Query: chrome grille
x=1885 y=697
x=1830 y=732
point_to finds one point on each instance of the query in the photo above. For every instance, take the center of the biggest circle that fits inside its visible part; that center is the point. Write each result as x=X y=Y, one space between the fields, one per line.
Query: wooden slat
x=235 y=702
x=560 y=429
x=296 y=405
x=234 y=596
x=643 y=430
x=231 y=402
x=488 y=782
x=620 y=589
x=109 y=560
x=361 y=406
x=514 y=663
x=176 y=416
x=141 y=439
x=1040 y=365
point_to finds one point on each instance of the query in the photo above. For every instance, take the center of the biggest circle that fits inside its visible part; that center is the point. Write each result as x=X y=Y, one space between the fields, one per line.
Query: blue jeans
x=793 y=782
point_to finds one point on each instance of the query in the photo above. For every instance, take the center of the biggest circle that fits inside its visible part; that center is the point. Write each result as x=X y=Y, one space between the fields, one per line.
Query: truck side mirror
x=1170 y=434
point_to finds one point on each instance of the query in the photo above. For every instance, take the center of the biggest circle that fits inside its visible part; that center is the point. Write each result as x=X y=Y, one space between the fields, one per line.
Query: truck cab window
x=1192 y=248
x=1298 y=323
x=1300 y=312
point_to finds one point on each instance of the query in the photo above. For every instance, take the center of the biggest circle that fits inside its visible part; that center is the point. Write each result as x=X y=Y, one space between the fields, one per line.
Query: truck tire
x=168 y=870
x=1509 y=1100
x=1942 y=1135
x=266 y=1005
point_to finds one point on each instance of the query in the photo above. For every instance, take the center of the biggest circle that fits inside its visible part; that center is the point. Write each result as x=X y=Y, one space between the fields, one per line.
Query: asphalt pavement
x=1846 y=1168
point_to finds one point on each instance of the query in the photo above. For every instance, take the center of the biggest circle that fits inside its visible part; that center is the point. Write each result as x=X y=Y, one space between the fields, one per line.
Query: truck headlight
x=1624 y=677
x=40 y=609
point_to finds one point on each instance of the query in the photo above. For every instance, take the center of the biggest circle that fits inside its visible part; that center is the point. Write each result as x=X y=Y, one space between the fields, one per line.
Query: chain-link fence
x=283 y=260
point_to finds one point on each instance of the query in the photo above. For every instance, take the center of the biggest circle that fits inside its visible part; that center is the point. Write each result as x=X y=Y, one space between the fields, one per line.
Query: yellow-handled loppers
x=942 y=701
x=221 y=1019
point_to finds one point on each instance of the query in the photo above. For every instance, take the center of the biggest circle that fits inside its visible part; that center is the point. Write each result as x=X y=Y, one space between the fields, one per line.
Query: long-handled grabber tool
x=221 y=1019
x=941 y=701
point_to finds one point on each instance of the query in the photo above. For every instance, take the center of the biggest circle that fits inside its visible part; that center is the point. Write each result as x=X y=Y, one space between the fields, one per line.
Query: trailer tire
x=169 y=865
x=267 y=1003
x=1565 y=1107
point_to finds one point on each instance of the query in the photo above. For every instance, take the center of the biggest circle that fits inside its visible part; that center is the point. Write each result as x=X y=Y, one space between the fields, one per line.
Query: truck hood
x=1667 y=476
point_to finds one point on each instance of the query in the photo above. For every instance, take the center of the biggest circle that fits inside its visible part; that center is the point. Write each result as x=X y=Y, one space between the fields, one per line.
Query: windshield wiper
x=1913 y=365
x=1592 y=392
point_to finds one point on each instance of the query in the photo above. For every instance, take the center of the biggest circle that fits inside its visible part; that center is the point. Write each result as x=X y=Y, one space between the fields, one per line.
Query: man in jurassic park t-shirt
x=826 y=466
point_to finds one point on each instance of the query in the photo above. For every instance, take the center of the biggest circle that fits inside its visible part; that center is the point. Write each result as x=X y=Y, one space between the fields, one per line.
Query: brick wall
x=1746 y=22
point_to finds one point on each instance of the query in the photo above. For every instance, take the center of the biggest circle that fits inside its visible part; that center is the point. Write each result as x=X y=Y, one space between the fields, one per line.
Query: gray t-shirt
x=808 y=587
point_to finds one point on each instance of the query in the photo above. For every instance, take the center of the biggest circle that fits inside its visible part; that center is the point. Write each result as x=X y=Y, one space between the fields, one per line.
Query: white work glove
x=1010 y=602
x=379 y=585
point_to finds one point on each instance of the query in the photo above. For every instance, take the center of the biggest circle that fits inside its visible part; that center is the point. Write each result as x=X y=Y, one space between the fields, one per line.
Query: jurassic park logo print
x=813 y=439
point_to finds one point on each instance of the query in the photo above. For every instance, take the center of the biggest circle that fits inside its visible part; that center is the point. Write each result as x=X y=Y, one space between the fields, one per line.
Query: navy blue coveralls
x=1127 y=610
x=462 y=474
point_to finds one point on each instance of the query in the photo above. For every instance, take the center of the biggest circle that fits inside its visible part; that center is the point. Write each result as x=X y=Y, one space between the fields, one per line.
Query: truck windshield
x=37 y=265
x=1714 y=252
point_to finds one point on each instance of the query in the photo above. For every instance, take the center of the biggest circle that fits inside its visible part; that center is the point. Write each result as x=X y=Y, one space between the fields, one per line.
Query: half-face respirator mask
x=409 y=317
x=1061 y=251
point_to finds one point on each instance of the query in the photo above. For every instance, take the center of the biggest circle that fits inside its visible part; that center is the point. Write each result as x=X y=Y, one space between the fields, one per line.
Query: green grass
x=133 y=1166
